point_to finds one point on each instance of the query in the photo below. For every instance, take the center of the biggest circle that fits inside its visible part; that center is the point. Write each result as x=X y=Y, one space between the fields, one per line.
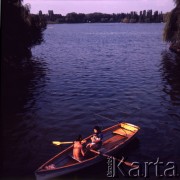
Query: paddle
x=58 y=143
x=125 y=162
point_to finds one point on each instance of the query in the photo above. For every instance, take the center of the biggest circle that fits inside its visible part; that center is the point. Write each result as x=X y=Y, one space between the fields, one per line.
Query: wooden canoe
x=114 y=138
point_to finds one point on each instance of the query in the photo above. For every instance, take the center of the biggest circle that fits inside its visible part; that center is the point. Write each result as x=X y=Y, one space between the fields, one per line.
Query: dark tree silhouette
x=172 y=28
x=20 y=30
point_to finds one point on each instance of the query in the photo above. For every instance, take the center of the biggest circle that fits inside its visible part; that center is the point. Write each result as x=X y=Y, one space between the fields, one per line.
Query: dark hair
x=97 y=128
x=79 y=138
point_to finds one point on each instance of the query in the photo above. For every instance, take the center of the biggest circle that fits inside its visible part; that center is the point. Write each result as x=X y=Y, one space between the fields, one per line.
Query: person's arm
x=82 y=152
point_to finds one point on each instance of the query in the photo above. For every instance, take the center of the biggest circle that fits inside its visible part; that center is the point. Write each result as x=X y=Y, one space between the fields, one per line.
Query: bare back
x=78 y=151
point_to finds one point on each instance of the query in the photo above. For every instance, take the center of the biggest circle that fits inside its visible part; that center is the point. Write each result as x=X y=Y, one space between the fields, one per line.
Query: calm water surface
x=109 y=69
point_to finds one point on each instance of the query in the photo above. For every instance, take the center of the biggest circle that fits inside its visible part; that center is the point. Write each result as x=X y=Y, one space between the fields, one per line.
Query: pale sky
x=105 y=6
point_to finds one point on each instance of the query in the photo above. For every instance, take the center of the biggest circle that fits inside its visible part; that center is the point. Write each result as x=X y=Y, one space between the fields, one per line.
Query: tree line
x=133 y=17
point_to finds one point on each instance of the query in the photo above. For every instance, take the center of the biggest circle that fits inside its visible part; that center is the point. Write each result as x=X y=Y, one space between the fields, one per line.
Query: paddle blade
x=59 y=142
x=56 y=143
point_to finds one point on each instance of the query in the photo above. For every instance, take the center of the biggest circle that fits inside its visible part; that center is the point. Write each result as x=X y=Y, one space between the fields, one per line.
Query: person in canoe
x=78 y=152
x=96 y=139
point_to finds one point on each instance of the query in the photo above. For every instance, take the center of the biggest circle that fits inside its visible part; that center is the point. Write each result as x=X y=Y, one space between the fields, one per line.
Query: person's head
x=97 y=129
x=79 y=138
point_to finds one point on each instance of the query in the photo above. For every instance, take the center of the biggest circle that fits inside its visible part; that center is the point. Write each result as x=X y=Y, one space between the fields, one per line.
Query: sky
x=105 y=6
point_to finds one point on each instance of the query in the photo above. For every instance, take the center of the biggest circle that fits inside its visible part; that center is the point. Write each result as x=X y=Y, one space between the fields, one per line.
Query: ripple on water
x=98 y=68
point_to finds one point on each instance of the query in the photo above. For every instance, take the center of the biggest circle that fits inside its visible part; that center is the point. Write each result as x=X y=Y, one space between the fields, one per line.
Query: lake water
x=83 y=69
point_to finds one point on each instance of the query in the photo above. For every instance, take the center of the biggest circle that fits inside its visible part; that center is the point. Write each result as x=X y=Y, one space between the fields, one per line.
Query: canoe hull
x=55 y=173
x=42 y=174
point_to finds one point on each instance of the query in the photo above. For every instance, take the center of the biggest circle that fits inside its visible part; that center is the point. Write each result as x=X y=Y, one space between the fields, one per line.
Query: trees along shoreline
x=96 y=17
x=172 y=28
x=20 y=31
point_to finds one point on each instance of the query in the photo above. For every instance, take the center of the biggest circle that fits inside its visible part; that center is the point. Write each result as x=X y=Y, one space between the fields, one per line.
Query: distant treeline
x=133 y=17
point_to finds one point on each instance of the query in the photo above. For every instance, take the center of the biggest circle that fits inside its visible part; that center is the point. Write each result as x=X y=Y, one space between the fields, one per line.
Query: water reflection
x=20 y=91
x=171 y=76
x=58 y=103
x=20 y=83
